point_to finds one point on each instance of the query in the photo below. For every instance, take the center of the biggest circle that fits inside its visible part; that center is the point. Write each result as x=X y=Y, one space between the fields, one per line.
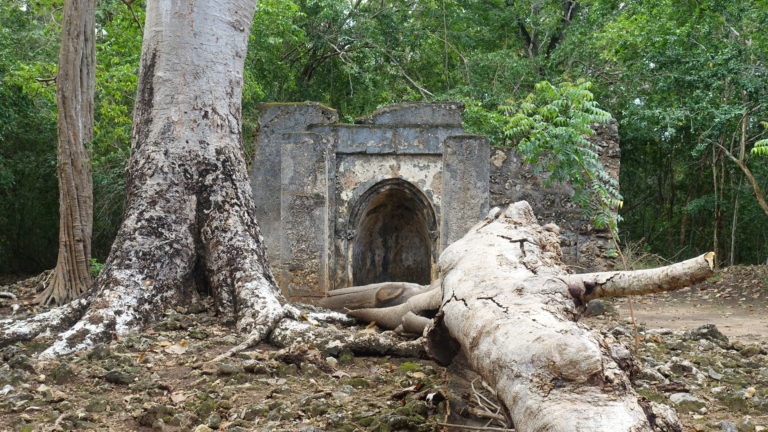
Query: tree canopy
x=685 y=80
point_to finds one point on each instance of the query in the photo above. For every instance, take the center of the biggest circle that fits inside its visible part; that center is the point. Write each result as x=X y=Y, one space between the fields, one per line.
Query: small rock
x=214 y=421
x=20 y=361
x=726 y=426
x=202 y=428
x=709 y=332
x=117 y=376
x=687 y=401
x=225 y=368
x=746 y=426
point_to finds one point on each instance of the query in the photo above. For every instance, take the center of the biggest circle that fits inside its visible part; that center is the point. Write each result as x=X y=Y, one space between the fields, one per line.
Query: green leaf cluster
x=550 y=127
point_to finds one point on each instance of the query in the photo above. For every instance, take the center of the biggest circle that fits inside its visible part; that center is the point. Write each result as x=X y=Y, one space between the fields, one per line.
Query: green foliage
x=678 y=76
x=96 y=267
x=550 y=128
x=761 y=147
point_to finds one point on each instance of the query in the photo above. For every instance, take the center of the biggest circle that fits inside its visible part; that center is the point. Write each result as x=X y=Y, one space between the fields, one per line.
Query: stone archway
x=395 y=235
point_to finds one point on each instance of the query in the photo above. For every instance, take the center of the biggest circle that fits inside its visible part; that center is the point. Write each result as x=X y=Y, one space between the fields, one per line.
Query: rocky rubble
x=713 y=383
x=162 y=380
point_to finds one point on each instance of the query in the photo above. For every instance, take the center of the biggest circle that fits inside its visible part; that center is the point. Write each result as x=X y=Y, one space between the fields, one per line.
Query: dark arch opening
x=393 y=240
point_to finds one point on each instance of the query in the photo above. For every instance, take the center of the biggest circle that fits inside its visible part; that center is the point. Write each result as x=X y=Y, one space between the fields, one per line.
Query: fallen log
x=506 y=302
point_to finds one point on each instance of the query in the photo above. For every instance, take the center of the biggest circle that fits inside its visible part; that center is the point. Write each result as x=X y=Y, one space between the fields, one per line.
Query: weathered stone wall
x=584 y=248
x=343 y=204
x=350 y=204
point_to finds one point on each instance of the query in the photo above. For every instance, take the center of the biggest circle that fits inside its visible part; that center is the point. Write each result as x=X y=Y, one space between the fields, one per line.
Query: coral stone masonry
x=352 y=204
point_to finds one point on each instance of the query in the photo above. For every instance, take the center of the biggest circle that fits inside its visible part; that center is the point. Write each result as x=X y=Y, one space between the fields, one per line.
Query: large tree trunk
x=509 y=305
x=190 y=216
x=190 y=221
x=74 y=94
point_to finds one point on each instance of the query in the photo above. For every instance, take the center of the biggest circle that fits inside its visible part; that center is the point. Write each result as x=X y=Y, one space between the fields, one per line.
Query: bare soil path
x=735 y=300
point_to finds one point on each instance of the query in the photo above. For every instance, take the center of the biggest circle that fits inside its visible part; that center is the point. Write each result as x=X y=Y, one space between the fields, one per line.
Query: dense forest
x=686 y=80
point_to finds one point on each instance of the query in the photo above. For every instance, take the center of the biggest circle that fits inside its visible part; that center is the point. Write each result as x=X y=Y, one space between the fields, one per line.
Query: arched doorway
x=394 y=239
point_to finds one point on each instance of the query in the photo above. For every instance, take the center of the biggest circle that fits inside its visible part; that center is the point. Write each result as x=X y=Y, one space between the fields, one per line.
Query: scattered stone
x=120 y=377
x=709 y=332
x=202 y=428
x=726 y=426
x=687 y=402
x=225 y=368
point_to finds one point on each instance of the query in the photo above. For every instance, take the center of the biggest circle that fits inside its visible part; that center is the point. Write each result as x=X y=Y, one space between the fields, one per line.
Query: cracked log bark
x=509 y=305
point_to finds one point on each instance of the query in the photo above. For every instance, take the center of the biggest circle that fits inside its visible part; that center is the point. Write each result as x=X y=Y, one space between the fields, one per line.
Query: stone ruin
x=379 y=200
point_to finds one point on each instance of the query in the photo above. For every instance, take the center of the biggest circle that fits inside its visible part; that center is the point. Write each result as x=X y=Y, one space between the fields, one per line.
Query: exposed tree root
x=334 y=340
x=46 y=323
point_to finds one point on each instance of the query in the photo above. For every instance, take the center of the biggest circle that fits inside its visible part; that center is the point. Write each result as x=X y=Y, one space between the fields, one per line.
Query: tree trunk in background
x=74 y=94
x=190 y=210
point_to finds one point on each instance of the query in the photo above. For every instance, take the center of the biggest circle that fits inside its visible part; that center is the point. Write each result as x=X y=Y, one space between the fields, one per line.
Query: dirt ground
x=735 y=300
x=158 y=379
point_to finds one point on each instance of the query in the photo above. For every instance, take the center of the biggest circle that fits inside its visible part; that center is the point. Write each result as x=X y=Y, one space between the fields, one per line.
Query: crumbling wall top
x=421 y=113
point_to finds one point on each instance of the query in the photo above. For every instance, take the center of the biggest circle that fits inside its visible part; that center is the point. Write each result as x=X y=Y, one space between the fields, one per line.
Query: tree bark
x=508 y=304
x=190 y=214
x=512 y=307
x=74 y=94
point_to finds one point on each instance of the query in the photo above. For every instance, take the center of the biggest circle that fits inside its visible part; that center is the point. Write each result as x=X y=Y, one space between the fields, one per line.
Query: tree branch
x=590 y=286
x=757 y=191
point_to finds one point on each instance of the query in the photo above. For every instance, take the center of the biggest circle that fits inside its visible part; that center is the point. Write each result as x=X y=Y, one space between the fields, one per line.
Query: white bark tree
x=75 y=83
x=508 y=304
x=503 y=297
x=190 y=214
